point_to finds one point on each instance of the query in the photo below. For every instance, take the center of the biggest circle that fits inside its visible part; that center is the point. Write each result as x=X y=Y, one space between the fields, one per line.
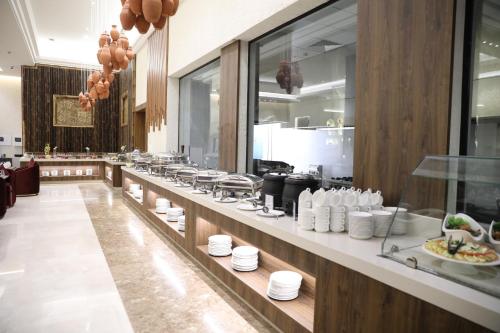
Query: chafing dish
x=143 y=162
x=206 y=179
x=243 y=183
x=161 y=160
x=186 y=174
x=171 y=170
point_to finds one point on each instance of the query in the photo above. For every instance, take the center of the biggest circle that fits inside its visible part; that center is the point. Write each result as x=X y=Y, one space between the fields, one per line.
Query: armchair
x=28 y=179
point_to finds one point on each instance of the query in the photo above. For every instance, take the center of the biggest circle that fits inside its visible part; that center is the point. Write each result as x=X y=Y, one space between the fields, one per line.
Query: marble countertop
x=359 y=255
x=114 y=162
x=62 y=160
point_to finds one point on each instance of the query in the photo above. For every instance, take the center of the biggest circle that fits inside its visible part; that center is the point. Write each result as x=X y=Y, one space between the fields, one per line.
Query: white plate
x=221 y=254
x=246 y=251
x=249 y=207
x=282 y=298
x=182 y=185
x=200 y=192
x=492 y=263
x=226 y=200
x=272 y=213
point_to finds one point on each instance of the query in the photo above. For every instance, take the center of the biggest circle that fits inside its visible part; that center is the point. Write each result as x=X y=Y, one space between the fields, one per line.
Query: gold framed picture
x=67 y=112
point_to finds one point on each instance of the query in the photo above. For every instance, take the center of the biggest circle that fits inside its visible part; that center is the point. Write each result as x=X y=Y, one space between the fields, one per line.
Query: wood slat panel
x=156 y=105
x=229 y=97
x=127 y=86
x=403 y=88
x=39 y=84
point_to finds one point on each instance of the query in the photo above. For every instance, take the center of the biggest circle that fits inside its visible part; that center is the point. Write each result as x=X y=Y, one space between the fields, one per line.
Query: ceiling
x=59 y=32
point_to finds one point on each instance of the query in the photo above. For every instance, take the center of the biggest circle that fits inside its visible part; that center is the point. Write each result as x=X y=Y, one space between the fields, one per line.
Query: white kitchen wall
x=200 y=29
x=10 y=111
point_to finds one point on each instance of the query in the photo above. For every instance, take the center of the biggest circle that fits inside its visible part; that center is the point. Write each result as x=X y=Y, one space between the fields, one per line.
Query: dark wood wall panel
x=403 y=88
x=229 y=99
x=127 y=86
x=39 y=84
x=156 y=104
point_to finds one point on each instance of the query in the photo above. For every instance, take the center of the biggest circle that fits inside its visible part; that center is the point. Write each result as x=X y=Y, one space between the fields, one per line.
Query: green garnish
x=458 y=223
x=496 y=226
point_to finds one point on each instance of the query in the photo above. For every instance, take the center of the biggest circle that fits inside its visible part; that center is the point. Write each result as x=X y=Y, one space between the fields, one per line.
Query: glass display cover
x=430 y=231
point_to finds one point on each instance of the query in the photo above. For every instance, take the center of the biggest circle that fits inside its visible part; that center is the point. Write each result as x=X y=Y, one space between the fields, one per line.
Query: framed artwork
x=124 y=109
x=68 y=113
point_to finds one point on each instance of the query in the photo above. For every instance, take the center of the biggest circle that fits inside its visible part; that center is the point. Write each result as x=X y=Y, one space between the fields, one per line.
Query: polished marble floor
x=53 y=273
x=58 y=274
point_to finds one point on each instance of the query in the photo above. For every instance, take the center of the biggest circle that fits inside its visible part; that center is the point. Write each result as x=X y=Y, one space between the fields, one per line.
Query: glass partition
x=199 y=115
x=302 y=91
x=427 y=218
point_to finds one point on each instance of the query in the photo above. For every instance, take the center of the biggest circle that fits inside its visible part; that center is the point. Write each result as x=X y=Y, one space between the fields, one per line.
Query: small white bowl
x=474 y=225
x=495 y=243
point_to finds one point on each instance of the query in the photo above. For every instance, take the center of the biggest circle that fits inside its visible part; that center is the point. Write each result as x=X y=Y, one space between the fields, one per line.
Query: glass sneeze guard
x=440 y=187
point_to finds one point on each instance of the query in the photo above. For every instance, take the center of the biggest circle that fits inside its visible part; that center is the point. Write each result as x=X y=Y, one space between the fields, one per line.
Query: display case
x=443 y=223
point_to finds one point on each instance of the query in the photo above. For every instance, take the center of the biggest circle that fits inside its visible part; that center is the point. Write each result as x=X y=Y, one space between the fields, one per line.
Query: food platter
x=437 y=255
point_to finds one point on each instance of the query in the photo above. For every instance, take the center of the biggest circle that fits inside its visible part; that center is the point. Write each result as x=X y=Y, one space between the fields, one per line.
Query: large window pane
x=302 y=93
x=199 y=115
x=484 y=130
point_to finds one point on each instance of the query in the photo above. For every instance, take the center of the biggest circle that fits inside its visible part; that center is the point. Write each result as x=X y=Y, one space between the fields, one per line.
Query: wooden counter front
x=332 y=298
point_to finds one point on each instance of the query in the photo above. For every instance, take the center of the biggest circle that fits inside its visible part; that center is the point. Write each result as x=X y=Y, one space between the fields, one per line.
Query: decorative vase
x=46 y=149
x=135 y=6
x=105 y=55
x=127 y=17
x=119 y=54
x=96 y=76
x=167 y=8
x=111 y=77
x=93 y=93
x=176 y=6
x=123 y=41
x=115 y=34
x=107 y=68
x=90 y=83
x=99 y=87
x=124 y=63
x=103 y=39
x=116 y=65
x=161 y=23
x=106 y=85
x=151 y=9
x=142 y=25
x=130 y=53
x=112 y=49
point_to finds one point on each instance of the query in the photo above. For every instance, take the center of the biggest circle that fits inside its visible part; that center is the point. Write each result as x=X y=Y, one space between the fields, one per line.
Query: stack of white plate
x=219 y=245
x=181 y=221
x=284 y=285
x=162 y=205
x=245 y=258
x=174 y=213
x=137 y=194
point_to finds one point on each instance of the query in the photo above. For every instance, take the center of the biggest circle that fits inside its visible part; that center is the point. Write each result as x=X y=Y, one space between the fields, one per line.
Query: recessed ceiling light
x=480 y=105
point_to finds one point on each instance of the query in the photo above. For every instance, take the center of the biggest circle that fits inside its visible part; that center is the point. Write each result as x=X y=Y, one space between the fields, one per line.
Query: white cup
x=382 y=222
x=350 y=199
x=360 y=225
x=336 y=198
x=306 y=219
x=338 y=209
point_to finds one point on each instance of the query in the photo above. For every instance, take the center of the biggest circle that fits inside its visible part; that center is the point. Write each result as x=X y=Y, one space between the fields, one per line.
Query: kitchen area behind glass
x=199 y=115
x=302 y=84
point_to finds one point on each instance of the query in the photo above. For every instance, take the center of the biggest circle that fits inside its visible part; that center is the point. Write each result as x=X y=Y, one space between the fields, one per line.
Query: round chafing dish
x=245 y=183
x=160 y=161
x=171 y=170
x=207 y=179
x=187 y=174
x=143 y=162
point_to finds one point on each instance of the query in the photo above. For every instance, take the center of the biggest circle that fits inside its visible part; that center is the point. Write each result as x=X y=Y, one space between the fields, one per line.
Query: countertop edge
x=466 y=302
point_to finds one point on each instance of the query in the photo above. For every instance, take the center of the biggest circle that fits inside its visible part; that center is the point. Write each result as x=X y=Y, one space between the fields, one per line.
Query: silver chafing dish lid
x=240 y=181
x=210 y=175
x=187 y=171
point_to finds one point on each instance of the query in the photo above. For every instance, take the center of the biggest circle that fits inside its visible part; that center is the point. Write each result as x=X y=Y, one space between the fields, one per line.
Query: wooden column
x=228 y=116
x=403 y=77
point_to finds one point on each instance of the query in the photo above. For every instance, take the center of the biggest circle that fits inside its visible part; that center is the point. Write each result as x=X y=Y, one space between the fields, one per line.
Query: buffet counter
x=339 y=272
x=78 y=169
